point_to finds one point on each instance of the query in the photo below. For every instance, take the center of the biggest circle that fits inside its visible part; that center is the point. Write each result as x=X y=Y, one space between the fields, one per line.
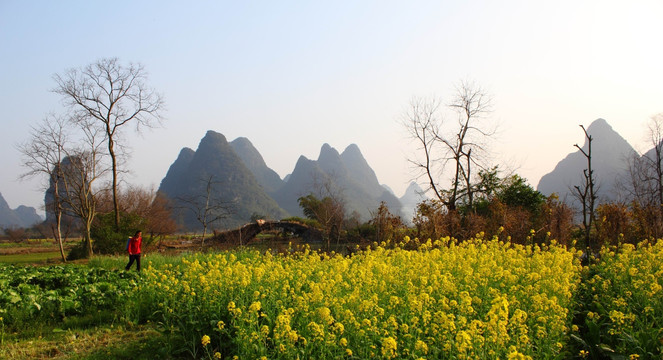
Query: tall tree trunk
x=592 y=196
x=116 y=205
x=57 y=232
x=57 y=211
x=587 y=194
x=88 y=233
x=468 y=181
x=88 y=240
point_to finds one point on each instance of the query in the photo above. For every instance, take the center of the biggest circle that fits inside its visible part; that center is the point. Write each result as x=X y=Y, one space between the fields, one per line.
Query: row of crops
x=51 y=294
x=447 y=300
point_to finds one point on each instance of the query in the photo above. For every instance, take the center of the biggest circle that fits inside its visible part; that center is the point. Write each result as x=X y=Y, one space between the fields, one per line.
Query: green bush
x=78 y=251
x=109 y=241
x=307 y=222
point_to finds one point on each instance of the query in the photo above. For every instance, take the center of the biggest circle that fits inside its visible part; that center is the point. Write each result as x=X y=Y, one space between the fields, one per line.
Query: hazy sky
x=293 y=75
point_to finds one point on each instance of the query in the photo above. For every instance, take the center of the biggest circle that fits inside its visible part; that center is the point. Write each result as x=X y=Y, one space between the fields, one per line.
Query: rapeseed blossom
x=626 y=292
x=389 y=347
x=479 y=298
x=205 y=340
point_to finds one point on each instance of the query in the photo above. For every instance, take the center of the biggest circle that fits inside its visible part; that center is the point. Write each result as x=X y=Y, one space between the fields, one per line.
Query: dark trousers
x=135 y=257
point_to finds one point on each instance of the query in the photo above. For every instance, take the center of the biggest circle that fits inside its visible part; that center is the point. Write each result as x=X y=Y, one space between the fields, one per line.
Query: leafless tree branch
x=111 y=95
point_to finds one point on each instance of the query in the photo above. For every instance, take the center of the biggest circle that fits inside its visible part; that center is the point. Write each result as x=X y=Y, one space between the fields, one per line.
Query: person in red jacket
x=133 y=247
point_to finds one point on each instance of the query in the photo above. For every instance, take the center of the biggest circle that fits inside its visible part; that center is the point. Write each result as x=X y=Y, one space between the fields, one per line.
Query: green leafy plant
x=108 y=239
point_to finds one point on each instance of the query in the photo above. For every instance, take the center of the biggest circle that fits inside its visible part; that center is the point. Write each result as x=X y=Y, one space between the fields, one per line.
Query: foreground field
x=444 y=300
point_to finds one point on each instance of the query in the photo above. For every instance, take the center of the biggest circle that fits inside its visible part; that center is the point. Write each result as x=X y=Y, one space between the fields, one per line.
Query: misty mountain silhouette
x=244 y=178
x=610 y=152
x=266 y=177
x=22 y=216
x=412 y=197
x=233 y=184
x=345 y=175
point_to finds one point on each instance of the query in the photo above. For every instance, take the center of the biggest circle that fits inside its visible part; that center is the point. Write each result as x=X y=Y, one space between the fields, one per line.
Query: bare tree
x=81 y=169
x=558 y=219
x=645 y=182
x=655 y=161
x=471 y=103
x=159 y=216
x=111 y=95
x=333 y=209
x=207 y=208
x=586 y=192
x=647 y=169
x=153 y=207
x=463 y=146
x=43 y=155
x=325 y=204
x=386 y=224
x=422 y=122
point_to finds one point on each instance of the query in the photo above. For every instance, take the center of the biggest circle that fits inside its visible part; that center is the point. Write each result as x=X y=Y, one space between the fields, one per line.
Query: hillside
x=232 y=184
x=266 y=177
x=22 y=216
x=610 y=152
x=347 y=175
x=242 y=177
x=411 y=198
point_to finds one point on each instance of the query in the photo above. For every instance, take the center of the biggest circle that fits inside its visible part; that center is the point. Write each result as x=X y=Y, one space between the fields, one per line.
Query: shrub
x=108 y=240
x=307 y=222
x=78 y=251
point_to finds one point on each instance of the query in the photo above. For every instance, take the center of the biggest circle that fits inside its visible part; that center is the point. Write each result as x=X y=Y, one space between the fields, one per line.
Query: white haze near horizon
x=291 y=76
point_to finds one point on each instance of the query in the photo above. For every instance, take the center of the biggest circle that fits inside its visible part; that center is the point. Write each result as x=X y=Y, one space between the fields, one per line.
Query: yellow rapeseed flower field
x=624 y=302
x=447 y=300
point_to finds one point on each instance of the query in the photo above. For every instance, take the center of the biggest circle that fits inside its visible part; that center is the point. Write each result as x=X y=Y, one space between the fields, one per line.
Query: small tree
x=509 y=206
x=462 y=147
x=326 y=205
x=81 y=169
x=432 y=220
x=516 y=192
x=328 y=212
x=655 y=160
x=645 y=182
x=43 y=155
x=586 y=192
x=557 y=219
x=614 y=224
x=159 y=217
x=107 y=239
x=471 y=103
x=206 y=206
x=387 y=225
x=140 y=208
x=16 y=234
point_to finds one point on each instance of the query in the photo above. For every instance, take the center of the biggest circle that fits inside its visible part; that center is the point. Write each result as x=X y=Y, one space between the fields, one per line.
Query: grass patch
x=30 y=258
x=102 y=342
x=118 y=262
x=26 y=243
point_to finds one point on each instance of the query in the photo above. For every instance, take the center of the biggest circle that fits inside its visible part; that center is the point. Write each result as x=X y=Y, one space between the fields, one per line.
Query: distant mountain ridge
x=348 y=174
x=233 y=184
x=412 y=197
x=21 y=217
x=258 y=190
x=266 y=177
x=610 y=152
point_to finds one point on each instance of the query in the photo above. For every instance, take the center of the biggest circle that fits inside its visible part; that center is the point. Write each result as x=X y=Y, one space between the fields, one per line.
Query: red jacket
x=134 y=245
